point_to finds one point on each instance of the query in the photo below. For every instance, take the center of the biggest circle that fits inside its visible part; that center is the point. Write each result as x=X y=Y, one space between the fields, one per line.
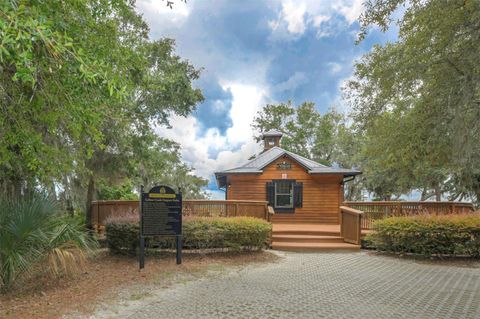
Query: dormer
x=271 y=138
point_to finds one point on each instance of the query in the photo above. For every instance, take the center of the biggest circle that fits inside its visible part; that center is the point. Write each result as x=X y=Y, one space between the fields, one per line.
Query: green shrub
x=450 y=235
x=235 y=233
x=34 y=235
x=122 y=233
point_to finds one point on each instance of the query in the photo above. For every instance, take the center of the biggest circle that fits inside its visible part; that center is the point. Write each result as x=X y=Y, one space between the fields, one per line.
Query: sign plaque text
x=161 y=215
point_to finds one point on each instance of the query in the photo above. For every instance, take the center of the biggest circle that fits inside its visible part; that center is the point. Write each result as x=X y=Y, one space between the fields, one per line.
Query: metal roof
x=256 y=165
x=272 y=133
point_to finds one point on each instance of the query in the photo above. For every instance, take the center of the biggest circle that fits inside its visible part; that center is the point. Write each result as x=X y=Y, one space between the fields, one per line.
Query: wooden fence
x=378 y=210
x=104 y=209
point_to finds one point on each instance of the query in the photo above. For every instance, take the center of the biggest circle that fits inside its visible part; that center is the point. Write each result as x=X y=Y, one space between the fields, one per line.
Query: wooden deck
x=310 y=237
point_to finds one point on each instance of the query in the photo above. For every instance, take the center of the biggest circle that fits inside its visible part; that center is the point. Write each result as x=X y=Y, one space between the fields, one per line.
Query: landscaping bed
x=231 y=233
x=442 y=236
x=107 y=275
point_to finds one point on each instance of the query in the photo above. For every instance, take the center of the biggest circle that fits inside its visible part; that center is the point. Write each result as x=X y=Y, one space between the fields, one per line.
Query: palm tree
x=32 y=233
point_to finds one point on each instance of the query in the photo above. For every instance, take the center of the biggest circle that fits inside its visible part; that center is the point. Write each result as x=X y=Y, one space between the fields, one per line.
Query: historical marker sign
x=161 y=212
x=161 y=215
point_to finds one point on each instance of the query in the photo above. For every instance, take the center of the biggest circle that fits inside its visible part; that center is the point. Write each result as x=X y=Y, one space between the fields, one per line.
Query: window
x=284 y=194
x=271 y=141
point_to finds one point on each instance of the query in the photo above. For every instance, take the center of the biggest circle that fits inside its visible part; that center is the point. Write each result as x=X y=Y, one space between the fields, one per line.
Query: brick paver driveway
x=321 y=285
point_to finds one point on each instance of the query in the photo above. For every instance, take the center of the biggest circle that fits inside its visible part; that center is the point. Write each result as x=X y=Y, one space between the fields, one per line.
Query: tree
x=324 y=138
x=81 y=88
x=306 y=132
x=162 y=85
x=425 y=87
x=158 y=162
x=59 y=68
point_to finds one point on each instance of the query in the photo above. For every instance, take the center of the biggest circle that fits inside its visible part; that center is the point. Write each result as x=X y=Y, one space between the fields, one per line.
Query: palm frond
x=32 y=232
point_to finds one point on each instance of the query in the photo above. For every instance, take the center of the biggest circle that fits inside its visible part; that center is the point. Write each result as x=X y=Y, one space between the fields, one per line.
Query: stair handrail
x=350 y=225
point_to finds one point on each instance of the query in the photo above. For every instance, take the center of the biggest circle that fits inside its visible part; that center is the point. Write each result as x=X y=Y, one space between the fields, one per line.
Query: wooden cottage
x=300 y=190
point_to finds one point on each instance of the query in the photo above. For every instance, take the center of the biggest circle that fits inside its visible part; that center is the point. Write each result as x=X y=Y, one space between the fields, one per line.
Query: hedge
x=450 y=235
x=234 y=233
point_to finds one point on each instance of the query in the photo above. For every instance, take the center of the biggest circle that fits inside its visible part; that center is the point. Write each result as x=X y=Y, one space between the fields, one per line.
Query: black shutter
x=270 y=193
x=298 y=195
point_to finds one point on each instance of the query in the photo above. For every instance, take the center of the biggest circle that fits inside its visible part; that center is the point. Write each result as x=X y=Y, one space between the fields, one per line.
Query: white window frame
x=283 y=194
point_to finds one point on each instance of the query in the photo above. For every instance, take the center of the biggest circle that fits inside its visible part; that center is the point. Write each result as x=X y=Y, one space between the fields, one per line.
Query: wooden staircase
x=309 y=237
x=330 y=218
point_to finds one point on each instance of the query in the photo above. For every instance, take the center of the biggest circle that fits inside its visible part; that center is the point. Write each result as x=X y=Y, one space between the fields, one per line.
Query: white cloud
x=197 y=147
x=335 y=67
x=350 y=9
x=297 y=79
x=157 y=10
x=319 y=19
x=293 y=14
x=295 y=17
x=247 y=100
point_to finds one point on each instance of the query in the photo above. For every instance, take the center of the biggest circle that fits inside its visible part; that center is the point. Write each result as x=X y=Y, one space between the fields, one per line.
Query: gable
x=287 y=159
x=276 y=169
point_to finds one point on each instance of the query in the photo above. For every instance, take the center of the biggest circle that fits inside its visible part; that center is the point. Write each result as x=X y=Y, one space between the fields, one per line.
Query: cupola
x=271 y=138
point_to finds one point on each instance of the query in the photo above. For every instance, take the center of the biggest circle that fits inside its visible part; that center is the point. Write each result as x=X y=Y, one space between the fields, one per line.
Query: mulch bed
x=105 y=276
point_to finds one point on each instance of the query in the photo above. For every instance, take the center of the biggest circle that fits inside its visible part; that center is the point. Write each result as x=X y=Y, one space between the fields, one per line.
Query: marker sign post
x=160 y=215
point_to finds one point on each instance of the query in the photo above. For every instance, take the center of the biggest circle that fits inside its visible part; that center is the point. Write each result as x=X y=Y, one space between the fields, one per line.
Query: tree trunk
x=90 y=197
x=52 y=194
x=347 y=191
x=424 y=195
x=16 y=189
x=70 y=209
x=438 y=194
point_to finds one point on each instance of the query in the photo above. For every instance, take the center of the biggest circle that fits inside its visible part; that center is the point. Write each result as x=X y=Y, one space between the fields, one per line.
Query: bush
x=122 y=233
x=450 y=235
x=235 y=233
x=34 y=235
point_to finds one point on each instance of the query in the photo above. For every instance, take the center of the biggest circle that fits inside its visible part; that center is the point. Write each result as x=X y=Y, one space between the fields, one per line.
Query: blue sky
x=253 y=53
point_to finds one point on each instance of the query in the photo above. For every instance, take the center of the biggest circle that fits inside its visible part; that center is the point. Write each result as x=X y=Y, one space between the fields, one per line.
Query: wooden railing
x=225 y=208
x=378 y=210
x=103 y=209
x=350 y=225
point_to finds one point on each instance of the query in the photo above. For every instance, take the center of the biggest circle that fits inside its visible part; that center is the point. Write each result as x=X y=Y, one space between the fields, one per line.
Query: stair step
x=305 y=215
x=302 y=238
x=305 y=222
x=303 y=218
x=312 y=232
x=295 y=246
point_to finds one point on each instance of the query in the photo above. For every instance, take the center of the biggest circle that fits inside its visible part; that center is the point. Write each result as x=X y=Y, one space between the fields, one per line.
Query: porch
x=340 y=230
x=355 y=220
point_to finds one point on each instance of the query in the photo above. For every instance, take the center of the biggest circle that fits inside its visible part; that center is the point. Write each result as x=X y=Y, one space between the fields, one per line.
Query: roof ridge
x=305 y=158
x=260 y=155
